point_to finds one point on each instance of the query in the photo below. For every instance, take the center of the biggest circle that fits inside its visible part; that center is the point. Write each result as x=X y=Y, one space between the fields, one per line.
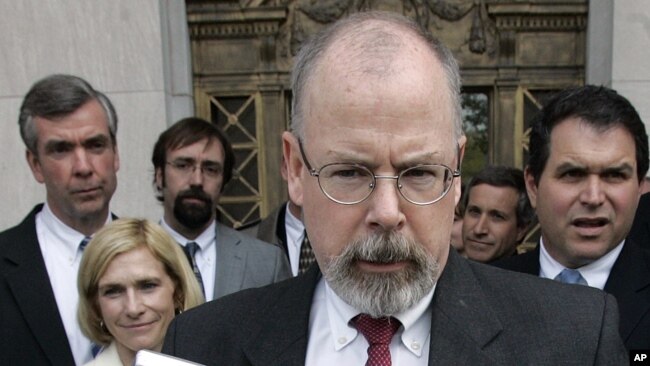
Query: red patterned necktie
x=378 y=333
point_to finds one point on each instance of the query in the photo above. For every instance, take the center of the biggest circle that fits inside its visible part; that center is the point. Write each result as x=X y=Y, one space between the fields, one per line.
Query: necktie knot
x=84 y=243
x=571 y=276
x=191 y=248
x=378 y=332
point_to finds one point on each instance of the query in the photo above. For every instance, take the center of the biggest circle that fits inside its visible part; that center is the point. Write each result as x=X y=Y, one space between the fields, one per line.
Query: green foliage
x=475 y=123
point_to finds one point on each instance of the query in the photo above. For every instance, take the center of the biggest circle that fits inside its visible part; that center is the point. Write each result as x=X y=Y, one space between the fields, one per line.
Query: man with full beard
x=373 y=158
x=193 y=161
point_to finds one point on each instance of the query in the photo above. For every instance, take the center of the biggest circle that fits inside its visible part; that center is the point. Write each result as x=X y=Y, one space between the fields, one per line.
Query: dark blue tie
x=84 y=242
x=94 y=348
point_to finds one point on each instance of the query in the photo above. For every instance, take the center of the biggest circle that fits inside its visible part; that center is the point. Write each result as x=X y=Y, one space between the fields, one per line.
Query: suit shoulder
x=525 y=263
x=250 y=227
x=27 y=227
x=232 y=311
x=534 y=290
x=251 y=242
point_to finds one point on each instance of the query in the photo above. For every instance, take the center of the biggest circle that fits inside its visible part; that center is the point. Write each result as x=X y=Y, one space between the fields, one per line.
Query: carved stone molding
x=204 y=31
x=551 y=17
x=430 y=14
x=542 y=23
x=235 y=23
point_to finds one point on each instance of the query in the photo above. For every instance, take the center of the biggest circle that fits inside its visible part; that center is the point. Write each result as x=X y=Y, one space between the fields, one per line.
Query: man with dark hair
x=588 y=156
x=373 y=160
x=193 y=161
x=69 y=130
x=497 y=213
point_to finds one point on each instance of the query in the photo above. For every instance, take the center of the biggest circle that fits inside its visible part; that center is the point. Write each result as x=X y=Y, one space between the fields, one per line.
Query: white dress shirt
x=595 y=273
x=206 y=258
x=60 y=247
x=334 y=341
x=295 y=231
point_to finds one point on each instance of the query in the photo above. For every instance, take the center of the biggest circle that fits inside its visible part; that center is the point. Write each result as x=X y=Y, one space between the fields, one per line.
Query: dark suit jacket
x=480 y=316
x=640 y=231
x=629 y=282
x=31 y=329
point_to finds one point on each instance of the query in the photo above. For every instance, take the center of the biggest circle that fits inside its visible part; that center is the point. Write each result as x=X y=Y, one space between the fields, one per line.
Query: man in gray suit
x=373 y=159
x=193 y=161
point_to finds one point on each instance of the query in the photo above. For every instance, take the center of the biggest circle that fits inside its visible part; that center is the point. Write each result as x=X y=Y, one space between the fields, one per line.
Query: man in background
x=497 y=213
x=588 y=157
x=193 y=161
x=69 y=130
x=457 y=227
x=284 y=227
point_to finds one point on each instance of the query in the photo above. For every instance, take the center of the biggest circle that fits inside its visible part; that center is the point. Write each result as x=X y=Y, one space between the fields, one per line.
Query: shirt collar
x=294 y=228
x=64 y=234
x=204 y=240
x=595 y=273
x=416 y=321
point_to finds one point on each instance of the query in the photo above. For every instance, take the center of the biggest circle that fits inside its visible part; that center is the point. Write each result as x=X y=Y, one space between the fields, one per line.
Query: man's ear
x=159 y=179
x=35 y=166
x=116 y=162
x=294 y=165
x=458 y=182
x=521 y=232
x=531 y=187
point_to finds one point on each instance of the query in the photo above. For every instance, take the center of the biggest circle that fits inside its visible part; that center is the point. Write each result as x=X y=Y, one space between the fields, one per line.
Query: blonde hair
x=119 y=237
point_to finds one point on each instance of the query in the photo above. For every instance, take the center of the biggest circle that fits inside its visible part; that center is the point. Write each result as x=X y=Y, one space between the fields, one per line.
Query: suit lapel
x=272 y=229
x=629 y=282
x=31 y=288
x=231 y=262
x=463 y=322
x=284 y=329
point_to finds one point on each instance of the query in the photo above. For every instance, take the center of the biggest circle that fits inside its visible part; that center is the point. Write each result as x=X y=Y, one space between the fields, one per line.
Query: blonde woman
x=133 y=279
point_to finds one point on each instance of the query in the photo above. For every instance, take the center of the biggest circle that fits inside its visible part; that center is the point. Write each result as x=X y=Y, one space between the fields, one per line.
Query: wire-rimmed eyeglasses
x=349 y=184
x=210 y=169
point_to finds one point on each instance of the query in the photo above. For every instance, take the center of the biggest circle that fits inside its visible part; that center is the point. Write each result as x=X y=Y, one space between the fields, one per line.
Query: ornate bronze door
x=511 y=54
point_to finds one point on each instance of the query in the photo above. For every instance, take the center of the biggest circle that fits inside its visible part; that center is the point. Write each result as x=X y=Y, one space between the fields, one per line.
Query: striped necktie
x=190 y=250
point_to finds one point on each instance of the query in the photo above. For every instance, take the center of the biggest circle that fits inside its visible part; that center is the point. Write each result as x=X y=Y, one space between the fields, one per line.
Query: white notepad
x=150 y=358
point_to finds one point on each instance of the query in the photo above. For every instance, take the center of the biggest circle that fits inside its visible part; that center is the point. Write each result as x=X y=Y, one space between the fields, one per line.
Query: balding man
x=373 y=159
